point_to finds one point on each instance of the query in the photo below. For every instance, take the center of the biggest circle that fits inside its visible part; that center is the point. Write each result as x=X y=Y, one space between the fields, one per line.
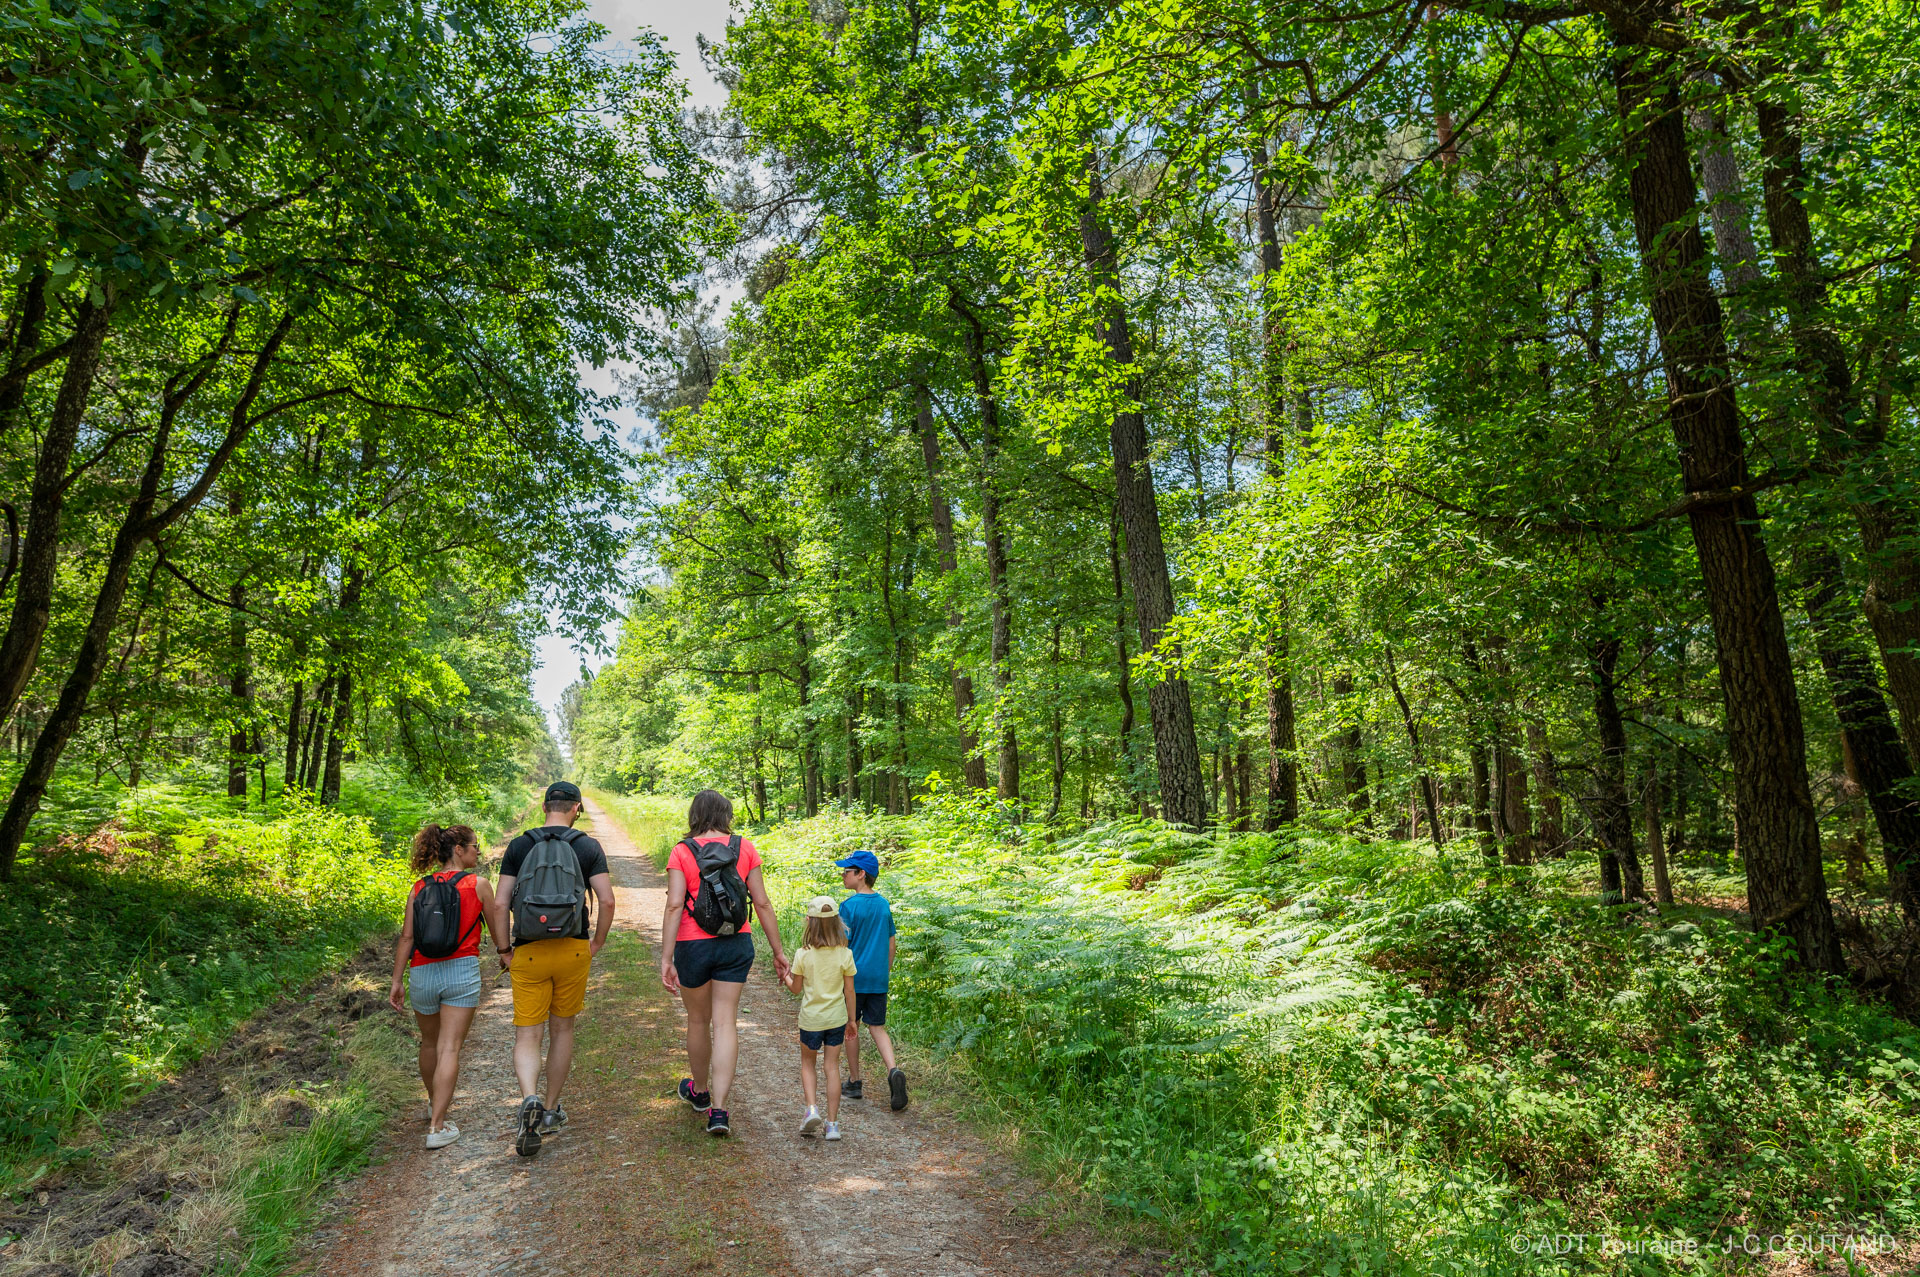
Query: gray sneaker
x=527 y=1143
x=552 y=1120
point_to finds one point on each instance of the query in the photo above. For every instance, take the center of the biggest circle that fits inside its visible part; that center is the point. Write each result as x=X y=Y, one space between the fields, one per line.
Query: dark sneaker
x=552 y=1120
x=717 y=1123
x=701 y=1100
x=531 y=1115
x=850 y=1090
x=897 y=1083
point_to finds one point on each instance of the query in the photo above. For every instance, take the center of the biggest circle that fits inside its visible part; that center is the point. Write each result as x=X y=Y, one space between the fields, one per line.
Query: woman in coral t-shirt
x=709 y=972
x=445 y=992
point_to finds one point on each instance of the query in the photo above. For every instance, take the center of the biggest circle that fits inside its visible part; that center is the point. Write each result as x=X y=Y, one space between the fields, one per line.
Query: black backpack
x=549 y=891
x=436 y=917
x=721 y=907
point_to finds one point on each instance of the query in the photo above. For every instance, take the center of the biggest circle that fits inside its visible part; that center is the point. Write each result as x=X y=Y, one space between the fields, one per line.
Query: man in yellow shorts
x=545 y=879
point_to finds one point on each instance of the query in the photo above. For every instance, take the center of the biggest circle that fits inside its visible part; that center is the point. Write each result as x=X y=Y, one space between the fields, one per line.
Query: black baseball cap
x=563 y=791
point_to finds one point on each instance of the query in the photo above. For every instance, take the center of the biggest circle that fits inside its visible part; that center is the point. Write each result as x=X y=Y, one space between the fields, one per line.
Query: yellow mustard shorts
x=549 y=979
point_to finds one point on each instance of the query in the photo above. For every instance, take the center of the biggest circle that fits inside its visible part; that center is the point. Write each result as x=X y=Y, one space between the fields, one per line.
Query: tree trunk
x=40 y=550
x=1283 y=781
x=856 y=703
x=1656 y=842
x=1351 y=745
x=1786 y=884
x=140 y=525
x=313 y=748
x=26 y=342
x=999 y=603
x=295 y=708
x=239 y=681
x=1879 y=763
x=1169 y=703
x=1482 y=797
x=1129 y=769
x=973 y=768
x=1612 y=809
x=1429 y=795
x=809 y=761
x=337 y=734
x=1516 y=815
x=1552 y=841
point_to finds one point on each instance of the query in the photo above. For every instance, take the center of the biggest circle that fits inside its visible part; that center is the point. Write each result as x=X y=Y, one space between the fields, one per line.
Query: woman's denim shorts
x=454 y=982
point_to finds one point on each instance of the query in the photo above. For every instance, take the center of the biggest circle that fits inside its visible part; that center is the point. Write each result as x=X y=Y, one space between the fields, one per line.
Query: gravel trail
x=635 y=1186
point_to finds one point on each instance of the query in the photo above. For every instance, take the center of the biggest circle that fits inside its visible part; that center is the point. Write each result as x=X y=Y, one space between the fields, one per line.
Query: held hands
x=782 y=968
x=506 y=957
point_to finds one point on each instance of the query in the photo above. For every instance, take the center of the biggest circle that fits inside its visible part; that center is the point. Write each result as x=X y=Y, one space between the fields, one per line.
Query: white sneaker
x=833 y=1131
x=443 y=1137
x=810 y=1124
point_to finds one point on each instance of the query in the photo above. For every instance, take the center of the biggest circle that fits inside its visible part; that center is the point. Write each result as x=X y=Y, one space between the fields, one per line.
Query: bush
x=136 y=948
x=1310 y=1053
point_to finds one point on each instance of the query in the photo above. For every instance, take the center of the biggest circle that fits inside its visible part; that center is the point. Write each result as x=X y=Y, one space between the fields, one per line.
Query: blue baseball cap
x=861 y=860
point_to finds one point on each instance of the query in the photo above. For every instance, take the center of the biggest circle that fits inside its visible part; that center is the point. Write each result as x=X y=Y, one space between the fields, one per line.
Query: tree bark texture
x=1283 y=780
x=1613 y=814
x=1786 y=884
x=1879 y=762
x=40 y=548
x=1170 y=704
x=999 y=602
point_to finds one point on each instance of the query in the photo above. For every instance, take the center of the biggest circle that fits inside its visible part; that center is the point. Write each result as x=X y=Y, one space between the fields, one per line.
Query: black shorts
x=814 y=1039
x=870 y=1009
x=727 y=959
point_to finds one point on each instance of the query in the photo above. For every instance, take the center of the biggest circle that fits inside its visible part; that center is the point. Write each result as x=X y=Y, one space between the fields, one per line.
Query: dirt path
x=635 y=1186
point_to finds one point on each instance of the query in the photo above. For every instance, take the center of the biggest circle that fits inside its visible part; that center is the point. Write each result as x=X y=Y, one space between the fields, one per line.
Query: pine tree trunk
x=1786 y=883
x=1283 y=780
x=1123 y=682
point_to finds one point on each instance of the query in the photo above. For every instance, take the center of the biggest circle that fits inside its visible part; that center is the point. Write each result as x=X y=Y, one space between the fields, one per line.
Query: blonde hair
x=825 y=933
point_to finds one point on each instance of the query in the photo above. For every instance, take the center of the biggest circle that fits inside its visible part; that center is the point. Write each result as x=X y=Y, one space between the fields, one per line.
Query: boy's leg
x=833 y=1084
x=807 y=1090
x=883 y=1044
x=853 y=1051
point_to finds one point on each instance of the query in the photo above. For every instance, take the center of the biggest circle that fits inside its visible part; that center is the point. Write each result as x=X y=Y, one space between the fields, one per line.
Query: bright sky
x=681 y=22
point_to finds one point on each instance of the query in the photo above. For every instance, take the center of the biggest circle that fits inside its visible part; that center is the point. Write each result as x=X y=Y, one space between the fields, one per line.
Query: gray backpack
x=549 y=892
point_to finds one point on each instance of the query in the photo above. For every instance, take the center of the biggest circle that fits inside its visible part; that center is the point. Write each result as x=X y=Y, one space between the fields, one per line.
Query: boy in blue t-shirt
x=870 y=934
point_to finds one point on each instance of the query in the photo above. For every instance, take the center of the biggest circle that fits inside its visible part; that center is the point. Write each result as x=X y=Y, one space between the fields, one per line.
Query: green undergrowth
x=1307 y=1053
x=279 y=1189
x=138 y=945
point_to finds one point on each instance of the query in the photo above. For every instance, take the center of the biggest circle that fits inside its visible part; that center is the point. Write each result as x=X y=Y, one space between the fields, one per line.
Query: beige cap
x=822 y=907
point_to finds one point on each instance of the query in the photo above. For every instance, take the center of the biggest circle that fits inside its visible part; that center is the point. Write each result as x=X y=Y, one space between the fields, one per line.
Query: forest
x=1363 y=557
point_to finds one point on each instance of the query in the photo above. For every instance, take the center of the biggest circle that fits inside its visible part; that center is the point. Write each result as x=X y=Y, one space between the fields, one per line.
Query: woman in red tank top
x=445 y=991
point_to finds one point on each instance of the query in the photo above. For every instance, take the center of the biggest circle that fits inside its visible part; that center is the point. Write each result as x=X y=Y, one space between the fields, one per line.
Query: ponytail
x=434 y=845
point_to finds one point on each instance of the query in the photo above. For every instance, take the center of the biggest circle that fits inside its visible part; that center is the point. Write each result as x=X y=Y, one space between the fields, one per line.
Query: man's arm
x=603 y=892
x=502 y=945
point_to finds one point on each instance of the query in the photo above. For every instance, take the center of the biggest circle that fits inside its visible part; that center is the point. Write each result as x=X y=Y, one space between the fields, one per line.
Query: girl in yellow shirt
x=822 y=974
